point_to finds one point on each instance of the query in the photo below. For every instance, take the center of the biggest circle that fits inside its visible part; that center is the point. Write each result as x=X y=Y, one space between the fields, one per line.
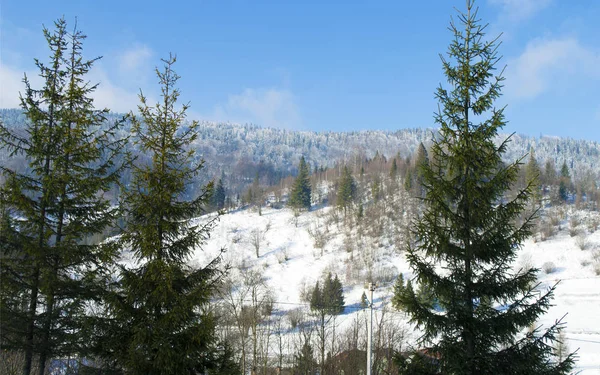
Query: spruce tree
x=48 y=268
x=549 y=173
x=467 y=238
x=301 y=190
x=305 y=363
x=159 y=323
x=376 y=189
x=257 y=194
x=565 y=183
x=326 y=302
x=398 y=292
x=346 y=192
x=532 y=174
x=364 y=301
x=218 y=197
x=421 y=161
x=394 y=170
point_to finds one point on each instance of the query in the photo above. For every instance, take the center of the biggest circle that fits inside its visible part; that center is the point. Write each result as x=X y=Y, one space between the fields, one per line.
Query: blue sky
x=321 y=65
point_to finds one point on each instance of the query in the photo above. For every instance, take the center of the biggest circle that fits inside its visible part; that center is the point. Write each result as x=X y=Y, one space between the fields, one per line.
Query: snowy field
x=288 y=259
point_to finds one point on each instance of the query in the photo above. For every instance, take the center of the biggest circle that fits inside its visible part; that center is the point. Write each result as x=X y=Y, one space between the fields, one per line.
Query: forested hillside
x=238 y=152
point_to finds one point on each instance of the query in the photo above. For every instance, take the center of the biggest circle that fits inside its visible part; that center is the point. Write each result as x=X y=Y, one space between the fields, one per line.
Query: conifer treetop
x=473 y=310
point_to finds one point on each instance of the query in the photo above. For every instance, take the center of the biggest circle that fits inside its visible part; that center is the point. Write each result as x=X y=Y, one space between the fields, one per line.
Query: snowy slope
x=289 y=259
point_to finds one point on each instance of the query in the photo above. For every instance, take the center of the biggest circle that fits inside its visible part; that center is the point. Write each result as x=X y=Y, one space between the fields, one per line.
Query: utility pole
x=370 y=328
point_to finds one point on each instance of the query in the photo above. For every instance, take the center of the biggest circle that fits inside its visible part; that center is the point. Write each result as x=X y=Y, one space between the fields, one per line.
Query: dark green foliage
x=564 y=171
x=408 y=180
x=421 y=162
x=257 y=194
x=563 y=192
x=300 y=195
x=413 y=178
x=426 y=296
x=159 y=321
x=364 y=301
x=565 y=184
x=346 y=192
x=416 y=363
x=49 y=272
x=305 y=362
x=549 y=173
x=532 y=176
x=468 y=226
x=222 y=362
x=328 y=299
x=218 y=196
x=376 y=189
x=326 y=302
x=398 y=291
x=394 y=169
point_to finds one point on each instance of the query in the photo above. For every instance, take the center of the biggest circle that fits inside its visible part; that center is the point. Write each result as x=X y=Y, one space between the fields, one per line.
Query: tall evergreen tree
x=478 y=323
x=305 y=362
x=257 y=194
x=421 y=162
x=346 y=192
x=532 y=174
x=565 y=183
x=218 y=196
x=398 y=292
x=326 y=302
x=376 y=189
x=301 y=190
x=549 y=173
x=47 y=267
x=160 y=324
x=394 y=170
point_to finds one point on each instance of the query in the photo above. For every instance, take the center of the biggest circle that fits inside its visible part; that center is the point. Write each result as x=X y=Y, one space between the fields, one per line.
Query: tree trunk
x=31 y=321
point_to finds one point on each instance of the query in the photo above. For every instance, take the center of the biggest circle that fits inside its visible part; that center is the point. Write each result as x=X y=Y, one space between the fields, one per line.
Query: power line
x=590 y=341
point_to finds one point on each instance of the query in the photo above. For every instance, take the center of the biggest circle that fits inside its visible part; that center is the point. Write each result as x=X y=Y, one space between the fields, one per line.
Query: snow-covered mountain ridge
x=239 y=151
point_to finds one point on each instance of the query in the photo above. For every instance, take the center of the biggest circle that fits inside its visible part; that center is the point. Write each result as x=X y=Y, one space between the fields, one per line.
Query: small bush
x=384 y=275
x=283 y=256
x=546 y=230
x=596 y=262
x=296 y=317
x=593 y=224
x=319 y=235
x=549 y=267
x=581 y=241
x=573 y=231
x=574 y=224
x=525 y=263
x=554 y=220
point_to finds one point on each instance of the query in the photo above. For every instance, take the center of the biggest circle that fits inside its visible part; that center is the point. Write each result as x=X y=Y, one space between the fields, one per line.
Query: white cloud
x=134 y=58
x=108 y=94
x=11 y=83
x=548 y=62
x=519 y=10
x=266 y=107
x=134 y=66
